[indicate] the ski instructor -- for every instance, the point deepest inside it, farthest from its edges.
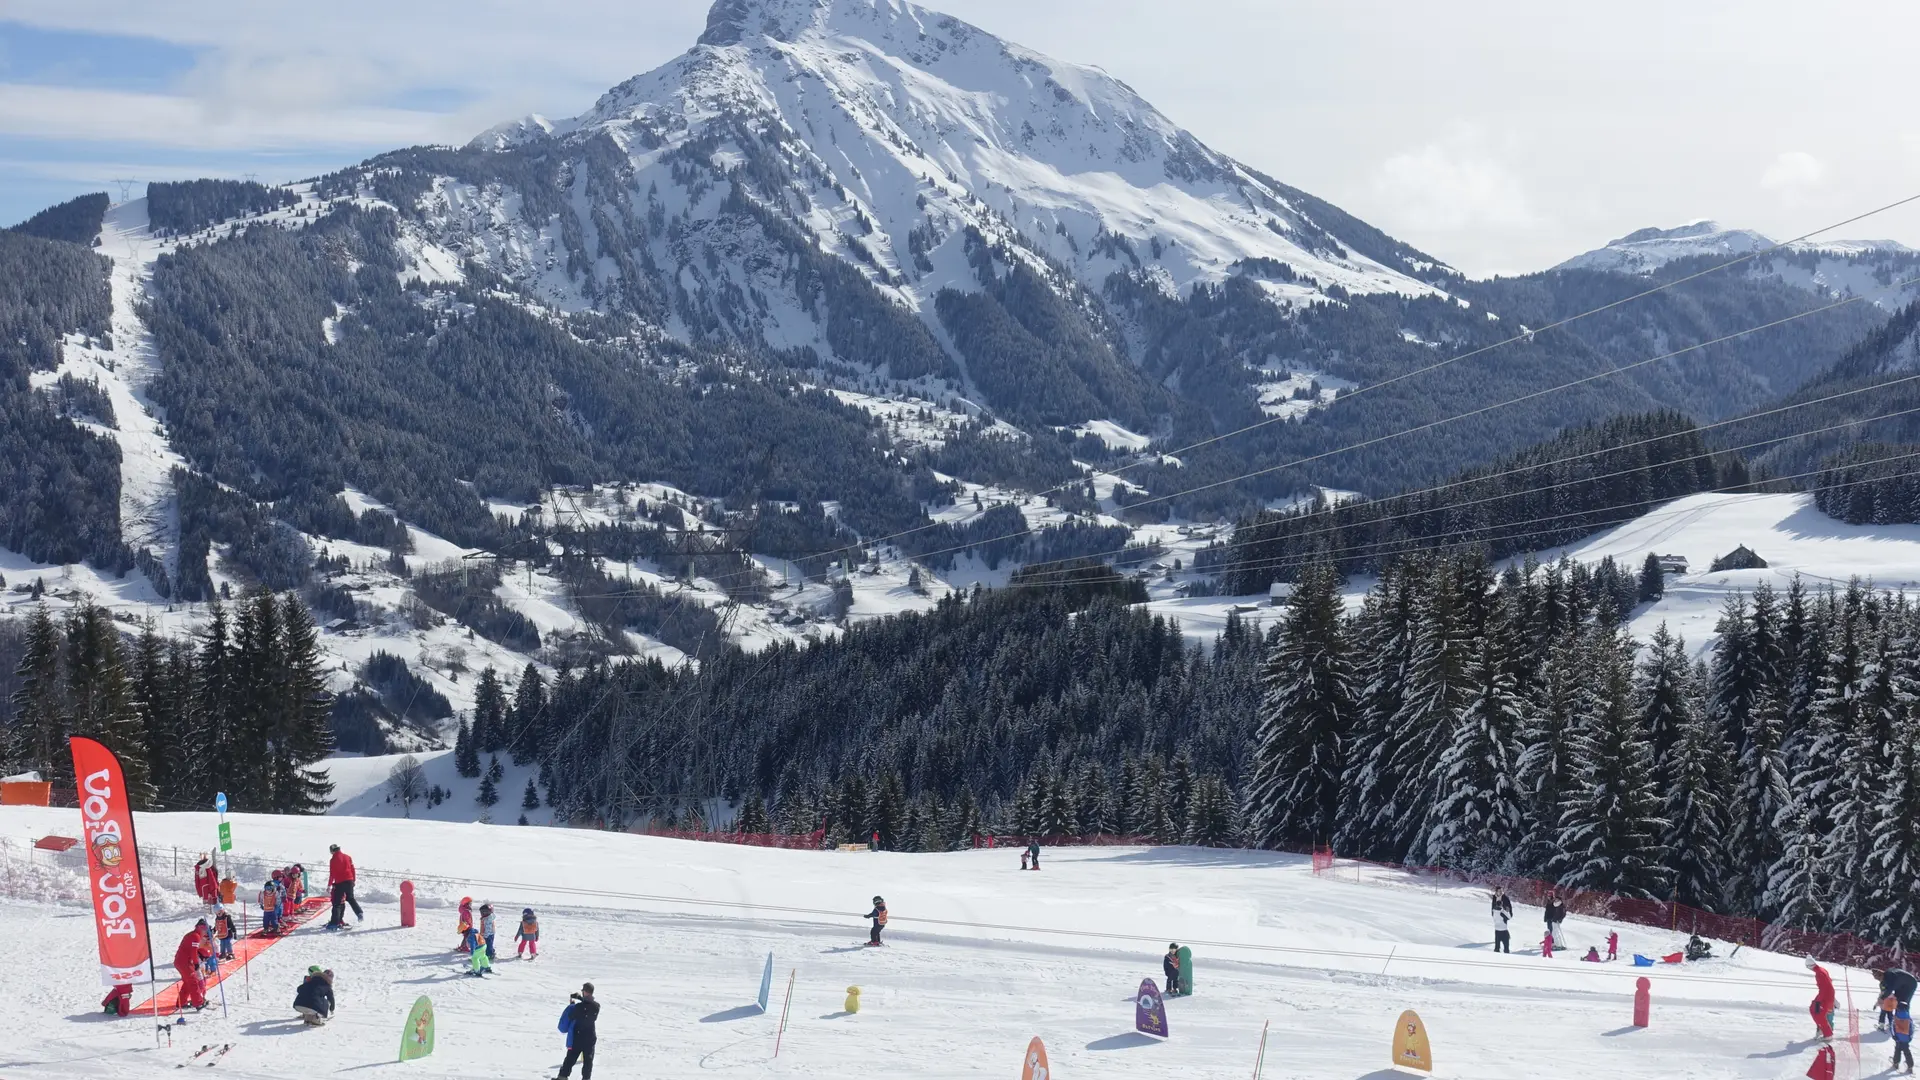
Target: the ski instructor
(340, 884)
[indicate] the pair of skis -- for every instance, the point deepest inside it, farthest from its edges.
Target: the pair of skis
(215, 1060)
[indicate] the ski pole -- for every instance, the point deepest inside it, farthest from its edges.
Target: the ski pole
(1261, 1058)
(782, 1034)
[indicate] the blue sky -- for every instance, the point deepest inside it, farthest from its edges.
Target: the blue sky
(1500, 135)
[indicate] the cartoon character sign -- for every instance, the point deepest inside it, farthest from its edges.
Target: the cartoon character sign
(1149, 1012)
(113, 864)
(1410, 1049)
(416, 1040)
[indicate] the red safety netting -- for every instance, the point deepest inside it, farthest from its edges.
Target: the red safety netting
(796, 841)
(1846, 949)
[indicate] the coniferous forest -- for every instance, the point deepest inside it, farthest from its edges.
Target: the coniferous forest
(1497, 722)
(240, 708)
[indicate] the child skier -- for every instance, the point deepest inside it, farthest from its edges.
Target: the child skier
(1613, 945)
(465, 926)
(879, 917)
(269, 909)
(206, 881)
(486, 930)
(1546, 945)
(1902, 1038)
(528, 935)
(314, 1000)
(1170, 964)
(223, 932)
(478, 961)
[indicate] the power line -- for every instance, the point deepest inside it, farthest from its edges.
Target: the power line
(1481, 411)
(1415, 544)
(1525, 335)
(1451, 508)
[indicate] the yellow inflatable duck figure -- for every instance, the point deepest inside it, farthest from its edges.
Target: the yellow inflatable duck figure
(853, 999)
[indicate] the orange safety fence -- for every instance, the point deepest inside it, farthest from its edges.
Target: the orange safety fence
(167, 1001)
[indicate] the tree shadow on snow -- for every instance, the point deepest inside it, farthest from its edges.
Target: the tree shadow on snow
(1123, 1042)
(739, 1012)
(1197, 856)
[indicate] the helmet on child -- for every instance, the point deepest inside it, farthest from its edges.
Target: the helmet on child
(1809, 963)
(526, 912)
(877, 900)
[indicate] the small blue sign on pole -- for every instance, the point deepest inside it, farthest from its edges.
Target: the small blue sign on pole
(220, 802)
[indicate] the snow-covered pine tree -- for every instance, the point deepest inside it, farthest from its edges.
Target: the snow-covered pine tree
(1829, 781)
(304, 736)
(1544, 766)
(530, 734)
(530, 799)
(100, 697)
(1210, 814)
(1436, 691)
(1663, 699)
(1694, 800)
(1370, 787)
(1761, 801)
(490, 734)
(36, 737)
(1611, 827)
(466, 756)
(1307, 717)
(1796, 895)
(1476, 820)
(1095, 810)
(1894, 847)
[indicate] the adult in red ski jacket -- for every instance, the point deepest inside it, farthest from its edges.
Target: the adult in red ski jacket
(340, 884)
(188, 959)
(1824, 999)
(206, 881)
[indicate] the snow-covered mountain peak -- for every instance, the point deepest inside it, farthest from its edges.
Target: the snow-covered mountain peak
(888, 133)
(1646, 250)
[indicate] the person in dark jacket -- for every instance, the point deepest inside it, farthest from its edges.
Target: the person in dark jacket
(314, 1001)
(1033, 853)
(1170, 964)
(1503, 904)
(1897, 983)
(1556, 913)
(879, 917)
(578, 1021)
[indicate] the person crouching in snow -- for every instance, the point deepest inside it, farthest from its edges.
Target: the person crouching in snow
(119, 1000)
(1593, 954)
(528, 935)
(314, 1000)
(1824, 999)
(193, 951)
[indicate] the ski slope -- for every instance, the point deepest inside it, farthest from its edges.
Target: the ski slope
(981, 957)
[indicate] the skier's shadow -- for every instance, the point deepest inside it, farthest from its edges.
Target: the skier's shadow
(846, 948)
(1791, 1049)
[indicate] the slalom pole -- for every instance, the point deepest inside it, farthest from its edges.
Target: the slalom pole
(246, 966)
(1261, 1059)
(782, 1034)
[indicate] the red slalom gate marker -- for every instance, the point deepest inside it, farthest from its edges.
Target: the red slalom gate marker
(1642, 1001)
(406, 903)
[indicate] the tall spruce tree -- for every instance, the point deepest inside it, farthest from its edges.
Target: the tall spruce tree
(36, 739)
(490, 734)
(1611, 827)
(1436, 692)
(100, 697)
(1477, 818)
(1306, 721)
(1545, 765)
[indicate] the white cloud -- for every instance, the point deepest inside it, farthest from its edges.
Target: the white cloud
(1793, 172)
(193, 123)
(1453, 185)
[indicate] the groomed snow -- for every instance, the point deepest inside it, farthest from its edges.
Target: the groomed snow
(981, 957)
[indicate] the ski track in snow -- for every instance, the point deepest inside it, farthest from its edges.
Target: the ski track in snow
(677, 959)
